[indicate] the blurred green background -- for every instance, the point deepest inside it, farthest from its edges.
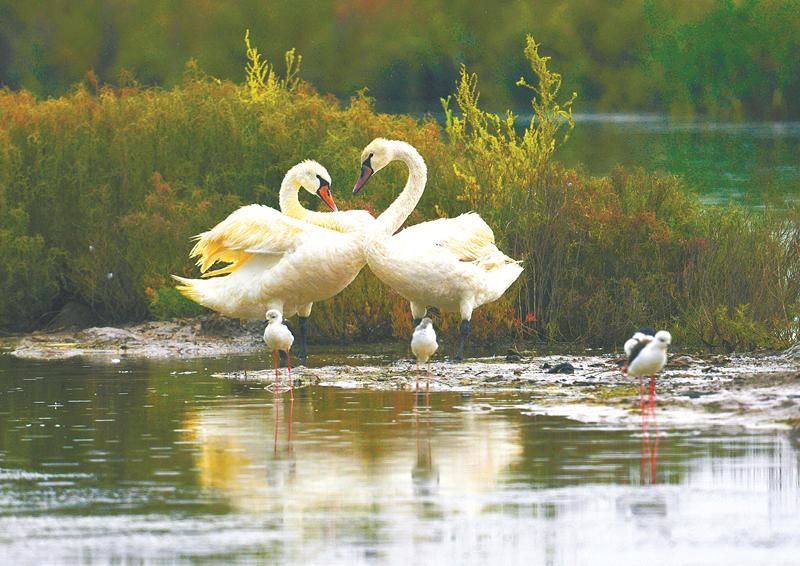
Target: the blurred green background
(724, 58)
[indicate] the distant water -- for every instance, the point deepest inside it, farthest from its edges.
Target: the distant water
(751, 163)
(755, 164)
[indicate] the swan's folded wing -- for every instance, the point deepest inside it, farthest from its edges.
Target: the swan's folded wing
(467, 236)
(252, 229)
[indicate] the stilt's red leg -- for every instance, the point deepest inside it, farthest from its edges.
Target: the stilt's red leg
(428, 382)
(654, 446)
(291, 383)
(652, 400)
(642, 404)
(641, 394)
(291, 412)
(275, 361)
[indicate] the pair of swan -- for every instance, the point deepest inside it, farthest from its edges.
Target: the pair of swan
(286, 261)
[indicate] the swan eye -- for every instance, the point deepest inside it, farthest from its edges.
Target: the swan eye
(322, 182)
(368, 161)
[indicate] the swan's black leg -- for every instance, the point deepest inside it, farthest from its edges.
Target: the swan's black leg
(463, 331)
(302, 353)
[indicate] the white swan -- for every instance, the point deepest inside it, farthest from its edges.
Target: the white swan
(279, 338)
(450, 263)
(275, 262)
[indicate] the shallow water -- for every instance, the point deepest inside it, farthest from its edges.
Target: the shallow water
(160, 461)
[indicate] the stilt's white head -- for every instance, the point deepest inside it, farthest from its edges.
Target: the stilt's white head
(314, 178)
(663, 339)
(377, 155)
(274, 315)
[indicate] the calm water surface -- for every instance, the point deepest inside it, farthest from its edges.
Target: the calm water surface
(162, 462)
(754, 164)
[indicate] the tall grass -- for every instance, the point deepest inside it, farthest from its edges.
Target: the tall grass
(101, 189)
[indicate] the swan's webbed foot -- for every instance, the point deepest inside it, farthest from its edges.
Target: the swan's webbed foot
(463, 331)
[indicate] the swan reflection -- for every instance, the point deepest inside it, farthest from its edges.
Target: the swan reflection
(289, 456)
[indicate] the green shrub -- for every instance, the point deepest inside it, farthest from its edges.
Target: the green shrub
(29, 275)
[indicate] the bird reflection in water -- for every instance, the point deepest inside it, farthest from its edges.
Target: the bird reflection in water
(424, 474)
(650, 434)
(289, 425)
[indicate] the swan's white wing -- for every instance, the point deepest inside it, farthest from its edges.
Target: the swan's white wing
(467, 237)
(252, 229)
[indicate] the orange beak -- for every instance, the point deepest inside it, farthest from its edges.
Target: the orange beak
(325, 194)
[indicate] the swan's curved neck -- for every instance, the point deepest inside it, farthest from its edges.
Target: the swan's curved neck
(290, 204)
(393, 217)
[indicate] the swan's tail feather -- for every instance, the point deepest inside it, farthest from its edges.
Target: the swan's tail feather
(501, 279)
(191, 289)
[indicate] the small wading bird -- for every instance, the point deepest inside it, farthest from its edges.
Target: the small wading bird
(274, 261)
(645, 334)
(647, 355)
(449, 263)
(423, 345)
(278, 337)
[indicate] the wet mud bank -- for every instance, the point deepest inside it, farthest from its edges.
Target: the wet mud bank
(752, 391)
(189, 338)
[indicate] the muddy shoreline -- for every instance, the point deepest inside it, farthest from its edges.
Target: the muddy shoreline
(741, 390)
(180, 338)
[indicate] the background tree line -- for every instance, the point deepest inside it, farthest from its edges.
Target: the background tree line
(726, 58)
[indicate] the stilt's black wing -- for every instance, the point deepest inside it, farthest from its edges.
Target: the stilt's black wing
(639, 347)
